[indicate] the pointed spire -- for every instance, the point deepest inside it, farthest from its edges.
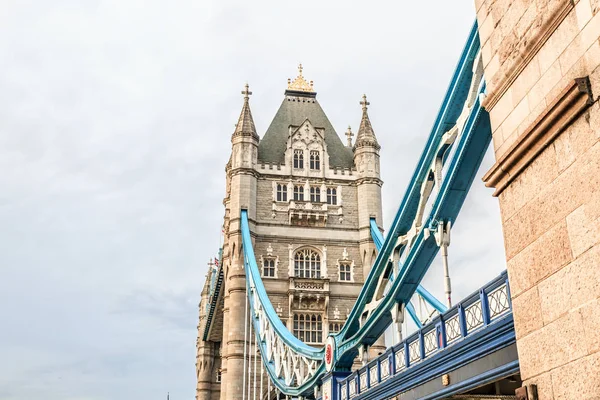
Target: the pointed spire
(365, 135)
(349, 135)
(245, 125)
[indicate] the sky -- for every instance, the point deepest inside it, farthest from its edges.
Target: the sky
(115, 124)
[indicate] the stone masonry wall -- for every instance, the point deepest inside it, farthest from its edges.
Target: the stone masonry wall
(532, 50)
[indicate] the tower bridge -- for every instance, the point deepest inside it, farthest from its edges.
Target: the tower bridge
(307, 285)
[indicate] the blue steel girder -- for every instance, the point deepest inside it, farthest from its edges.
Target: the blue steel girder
(458, 140)
(467, 153)
(430, 299)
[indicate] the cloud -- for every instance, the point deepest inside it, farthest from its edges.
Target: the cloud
(115, 123)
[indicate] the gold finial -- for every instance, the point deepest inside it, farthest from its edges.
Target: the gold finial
(364, 103)
(300, 84)
(246, 92)
(349, 135)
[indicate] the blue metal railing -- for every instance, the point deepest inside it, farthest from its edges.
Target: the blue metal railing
(478, 311)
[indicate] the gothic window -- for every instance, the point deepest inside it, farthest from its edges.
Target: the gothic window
(308, 327)
(331, 196)
(307, 264)
(299, 159)
(219, 375)
(335, 327)
(315, 160)
(299, 193)
(268, 268)
(281, 192)
(315, 194)
(345, 272)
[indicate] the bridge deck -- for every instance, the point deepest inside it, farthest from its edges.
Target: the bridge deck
(470, 345)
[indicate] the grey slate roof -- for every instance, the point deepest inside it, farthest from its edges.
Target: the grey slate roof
(294, 110)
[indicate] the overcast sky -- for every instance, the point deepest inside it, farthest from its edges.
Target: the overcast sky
(115, 124)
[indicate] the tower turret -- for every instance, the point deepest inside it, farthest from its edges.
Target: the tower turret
(366, 159)
(241, 194)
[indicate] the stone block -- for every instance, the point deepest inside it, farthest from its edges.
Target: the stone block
(550, 78)
(578, 379)
(540, 173)
(591, 324)
(558, 42)
(486, 28)
(552, 346)
(503, 148)
(583, 12)
(503, 108)
(518, 115)
(542, 258)
(574, 142)
(526, 80)
(571, 287)
(527, 312)
(568, 191)
(498, 140)
(594, 114)
(580, 45)
(544, 386)
(583, 226)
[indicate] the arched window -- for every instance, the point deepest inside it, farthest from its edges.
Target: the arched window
(268, 268)
(315, 160)
(335, 327)
(308, 327)
(298, 193)
(307, 264)
(331, 196)
(315, 194)
(281, 192)
(299, 159)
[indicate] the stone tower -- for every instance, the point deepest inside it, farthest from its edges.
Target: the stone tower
(309, 199)
(542, 67)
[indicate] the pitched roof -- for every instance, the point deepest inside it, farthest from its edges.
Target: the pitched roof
(295, 108)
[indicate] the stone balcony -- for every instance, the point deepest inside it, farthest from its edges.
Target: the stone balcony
(307, 213)
(308, 293)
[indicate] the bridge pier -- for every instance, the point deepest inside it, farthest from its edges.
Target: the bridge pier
(542, 70)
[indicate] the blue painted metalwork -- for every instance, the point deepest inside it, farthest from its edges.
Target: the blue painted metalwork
(260, 305)
(460, 158)
(477, 343)
(466, 158)
(428, 297)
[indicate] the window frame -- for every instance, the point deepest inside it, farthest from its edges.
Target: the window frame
(315, 160)
(298, 157)
(298, 193)
(281, 192)
(331, 196)
(345, 270)
(308, 326)
(307, 263)
(272, 267)
(315, 194)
